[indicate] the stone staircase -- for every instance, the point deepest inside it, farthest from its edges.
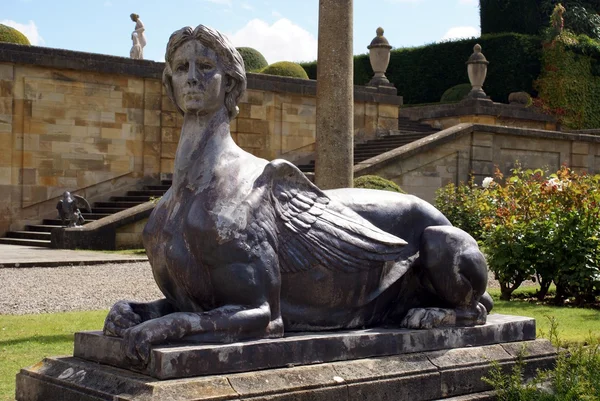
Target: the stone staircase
(407, 132)
(39, 234)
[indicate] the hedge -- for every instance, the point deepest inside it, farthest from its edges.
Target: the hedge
(423, 74)
(527, 16)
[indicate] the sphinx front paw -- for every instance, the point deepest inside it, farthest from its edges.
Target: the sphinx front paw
(429, 318)
(120, 318)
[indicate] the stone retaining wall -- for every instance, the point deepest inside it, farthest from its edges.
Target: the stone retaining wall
(97, 125)
(449, 156)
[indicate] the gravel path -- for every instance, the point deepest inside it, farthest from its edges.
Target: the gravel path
(61, 289)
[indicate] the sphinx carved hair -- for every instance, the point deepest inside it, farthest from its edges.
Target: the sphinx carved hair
(228, 55)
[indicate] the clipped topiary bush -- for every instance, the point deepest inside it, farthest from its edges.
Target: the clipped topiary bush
(11, 35)
(376, 182)
(254, 61)
(456, 93)
(285, 69)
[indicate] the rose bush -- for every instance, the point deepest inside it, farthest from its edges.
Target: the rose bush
(534, 225)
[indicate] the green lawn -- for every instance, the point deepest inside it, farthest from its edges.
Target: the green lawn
(26, 340)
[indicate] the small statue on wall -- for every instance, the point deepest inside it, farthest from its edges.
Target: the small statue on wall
(136, 51)
(138, 37)
(68, 209)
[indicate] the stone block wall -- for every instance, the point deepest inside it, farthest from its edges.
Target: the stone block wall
(99, 125)
(453, 154)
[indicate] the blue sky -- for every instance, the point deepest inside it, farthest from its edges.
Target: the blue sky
(280, 29)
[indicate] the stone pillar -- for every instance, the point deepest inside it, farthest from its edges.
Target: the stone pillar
(335, 96)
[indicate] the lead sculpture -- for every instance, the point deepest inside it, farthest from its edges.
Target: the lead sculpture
(69, 209)
(243, 248)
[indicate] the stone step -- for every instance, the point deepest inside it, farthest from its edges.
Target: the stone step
(130, 198)
(116, 204)
(109, 210)
(166, 182)
(26, 242)
(94, 216)
(45, 228)
(29, 235)
(155, 193)
(57, 222)
(158, 187)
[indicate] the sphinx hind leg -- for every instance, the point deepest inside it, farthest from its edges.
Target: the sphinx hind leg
(456, 272)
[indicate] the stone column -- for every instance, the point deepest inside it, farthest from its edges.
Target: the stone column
(335, 96)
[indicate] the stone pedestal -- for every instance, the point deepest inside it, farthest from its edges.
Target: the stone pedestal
(335, 96)
(377, 364)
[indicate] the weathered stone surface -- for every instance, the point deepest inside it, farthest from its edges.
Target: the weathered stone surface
(178, 361)
(411, 377)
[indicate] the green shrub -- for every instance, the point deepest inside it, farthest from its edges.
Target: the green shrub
(456, 93)
(285, 69)
(376, 182)
(253, 60)
(422, 74)
(11, 35)
(533, 225)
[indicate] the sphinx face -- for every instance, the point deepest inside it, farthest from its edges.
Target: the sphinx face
(199, 82)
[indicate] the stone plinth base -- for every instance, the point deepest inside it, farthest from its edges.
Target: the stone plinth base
(415, 373)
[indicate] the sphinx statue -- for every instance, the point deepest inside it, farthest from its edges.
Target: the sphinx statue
(243, 248)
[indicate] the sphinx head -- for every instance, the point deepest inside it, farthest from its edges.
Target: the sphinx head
(203, 71)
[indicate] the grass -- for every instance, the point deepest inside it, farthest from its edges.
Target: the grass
(575, 325)
(26, 340)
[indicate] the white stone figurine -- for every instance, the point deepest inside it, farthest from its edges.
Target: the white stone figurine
(136, 51)
(138, 37)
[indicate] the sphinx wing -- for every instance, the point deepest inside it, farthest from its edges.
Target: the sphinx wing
(82, 203)
(316, 230)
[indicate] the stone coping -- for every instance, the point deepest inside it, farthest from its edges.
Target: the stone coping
(474, 107)
(76, 60)
(450, 134)
(99, 234)
(297, 349)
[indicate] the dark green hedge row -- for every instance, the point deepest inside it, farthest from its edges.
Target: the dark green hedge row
(526, 16)
(423, 74)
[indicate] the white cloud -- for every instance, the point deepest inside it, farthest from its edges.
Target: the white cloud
(30, 30)
(276, 14)
(282, 41)
(461, 32)
(247, 6)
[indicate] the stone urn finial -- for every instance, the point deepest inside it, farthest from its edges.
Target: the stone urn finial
(379, 56)
(477, 70)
